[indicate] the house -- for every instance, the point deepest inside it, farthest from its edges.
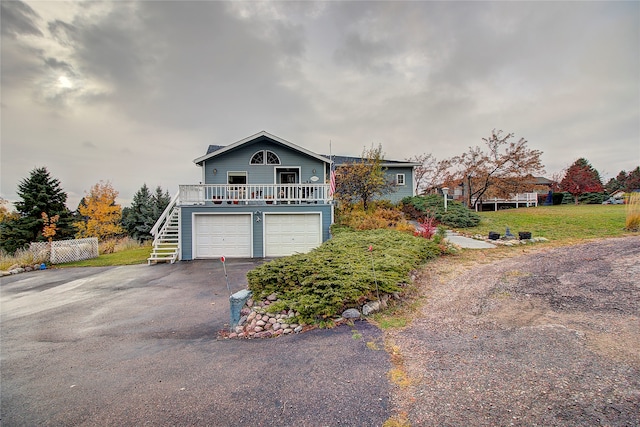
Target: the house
(259, 197)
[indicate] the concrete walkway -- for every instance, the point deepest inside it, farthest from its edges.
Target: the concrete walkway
(466, 242)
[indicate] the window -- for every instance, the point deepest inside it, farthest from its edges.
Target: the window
(272, 158)
(260, 157)
(237, 178)
(400, 179)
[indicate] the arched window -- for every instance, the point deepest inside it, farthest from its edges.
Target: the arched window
(258, 158)
(265, 157)
(272, 158)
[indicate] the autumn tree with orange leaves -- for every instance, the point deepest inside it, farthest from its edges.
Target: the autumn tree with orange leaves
(100, 213)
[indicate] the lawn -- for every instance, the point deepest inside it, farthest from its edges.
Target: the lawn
(565, 223)
(132, 256)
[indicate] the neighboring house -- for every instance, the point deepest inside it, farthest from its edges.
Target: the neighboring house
(259, 197)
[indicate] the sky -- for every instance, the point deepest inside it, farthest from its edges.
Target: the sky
(132, 92)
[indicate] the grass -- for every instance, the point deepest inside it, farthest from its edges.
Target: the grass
(563, 223)
(129, 256)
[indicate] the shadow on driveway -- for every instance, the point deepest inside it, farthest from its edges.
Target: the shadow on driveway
(139, 344)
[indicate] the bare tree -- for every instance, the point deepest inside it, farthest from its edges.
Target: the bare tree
(502, 168)
(431, 172)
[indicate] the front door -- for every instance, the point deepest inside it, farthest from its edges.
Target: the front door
(287, 177)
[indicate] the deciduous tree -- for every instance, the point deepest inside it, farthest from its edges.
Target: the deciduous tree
(363, 180)
(429, 175)
(625, 182)
(100, 212)
(503, 167)
(581, 178)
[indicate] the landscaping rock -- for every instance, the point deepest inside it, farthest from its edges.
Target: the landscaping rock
(272, 297)
(370, 307)
(351, 313)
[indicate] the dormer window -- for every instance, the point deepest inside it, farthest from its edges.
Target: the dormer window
(260, 157)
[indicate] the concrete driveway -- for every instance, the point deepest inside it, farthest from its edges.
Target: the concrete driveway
(139, 345)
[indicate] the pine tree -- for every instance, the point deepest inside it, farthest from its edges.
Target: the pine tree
(39, 193)
(140, 217)
(161, 201)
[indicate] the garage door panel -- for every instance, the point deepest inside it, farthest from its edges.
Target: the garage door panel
(223, 235)
(286, 234)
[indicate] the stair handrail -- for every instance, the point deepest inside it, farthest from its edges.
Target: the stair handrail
(164, 216)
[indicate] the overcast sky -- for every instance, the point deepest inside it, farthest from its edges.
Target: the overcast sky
(132, 92)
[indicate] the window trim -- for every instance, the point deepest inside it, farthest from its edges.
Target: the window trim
(254, 154)
(404, 181)
(265, 157)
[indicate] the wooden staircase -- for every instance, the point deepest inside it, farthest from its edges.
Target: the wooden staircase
(167, 238)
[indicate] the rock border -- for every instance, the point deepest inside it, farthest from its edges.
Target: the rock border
(16, 269)
(257, 322)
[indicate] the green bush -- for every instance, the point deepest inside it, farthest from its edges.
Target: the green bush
(338, 275)
(558, 198)
(592, 198)
(567, 199)
(457, 215)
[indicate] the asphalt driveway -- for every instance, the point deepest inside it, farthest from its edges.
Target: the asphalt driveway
(139, 345)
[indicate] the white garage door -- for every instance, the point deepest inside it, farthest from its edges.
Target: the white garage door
(286, 234)
(218, 235)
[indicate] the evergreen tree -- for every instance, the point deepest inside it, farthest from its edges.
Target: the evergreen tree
(140, 217)
(581, 178)
(161, 200)
(39, 193)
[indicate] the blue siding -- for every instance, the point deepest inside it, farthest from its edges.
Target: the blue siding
(238, 161)
(186, 224)
(401, 191)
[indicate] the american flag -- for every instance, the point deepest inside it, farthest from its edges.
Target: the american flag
(332, 179)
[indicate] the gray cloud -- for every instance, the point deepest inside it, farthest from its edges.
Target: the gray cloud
(18, 18)
(165, 79)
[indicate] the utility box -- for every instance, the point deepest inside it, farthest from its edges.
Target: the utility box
(237, 301)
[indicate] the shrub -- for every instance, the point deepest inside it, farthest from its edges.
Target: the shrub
(338, 275)
(632, 222)
(457, 215)
(592, 198)
(558, 198)
(110, 246)
(22, 258)
(380, 216)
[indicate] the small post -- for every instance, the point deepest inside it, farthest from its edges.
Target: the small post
(445, 191)
(373, 267)
(222, 259)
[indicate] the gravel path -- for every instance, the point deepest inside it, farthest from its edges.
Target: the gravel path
(551, 337)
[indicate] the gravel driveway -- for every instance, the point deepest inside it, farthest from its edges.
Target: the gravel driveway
(549, 338)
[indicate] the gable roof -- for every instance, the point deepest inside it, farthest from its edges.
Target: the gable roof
(216, 150)
(344, 160)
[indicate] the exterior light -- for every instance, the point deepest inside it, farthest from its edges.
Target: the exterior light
(445, 191)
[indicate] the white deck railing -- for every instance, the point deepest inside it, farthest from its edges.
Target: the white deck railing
(526, 199)
(263, 193)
